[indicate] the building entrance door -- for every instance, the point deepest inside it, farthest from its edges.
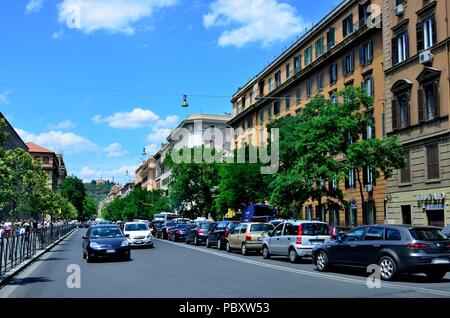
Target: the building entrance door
(436, 218)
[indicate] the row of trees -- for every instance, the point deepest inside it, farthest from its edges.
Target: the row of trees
(23, 186)
(317, 150)
(138, 204)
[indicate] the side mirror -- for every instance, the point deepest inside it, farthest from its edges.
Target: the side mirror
(127, 235)
(84, 237)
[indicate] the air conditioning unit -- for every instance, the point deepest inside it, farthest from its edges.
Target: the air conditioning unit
(400, 9)
(369, 188)
(426, 57)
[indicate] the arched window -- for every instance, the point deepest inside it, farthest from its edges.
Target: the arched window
(46, 160)
(400, 104)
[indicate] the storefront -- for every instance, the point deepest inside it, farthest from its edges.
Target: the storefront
(433, 206)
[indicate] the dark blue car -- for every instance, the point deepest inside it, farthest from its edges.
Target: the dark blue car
(103, 241)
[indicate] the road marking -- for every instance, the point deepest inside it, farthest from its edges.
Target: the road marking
(312, 274)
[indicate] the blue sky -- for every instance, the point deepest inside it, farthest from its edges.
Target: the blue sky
(99, 80)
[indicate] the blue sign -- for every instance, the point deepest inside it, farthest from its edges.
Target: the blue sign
(353, 203)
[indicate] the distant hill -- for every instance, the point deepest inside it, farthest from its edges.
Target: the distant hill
(98, 189)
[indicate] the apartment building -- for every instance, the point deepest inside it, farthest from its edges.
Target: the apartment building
(13, 139)
(417, 62)
(145, 175)
(344, 49)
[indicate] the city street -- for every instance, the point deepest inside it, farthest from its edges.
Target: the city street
(179, 270)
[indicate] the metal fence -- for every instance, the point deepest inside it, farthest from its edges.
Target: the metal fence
(18, 248)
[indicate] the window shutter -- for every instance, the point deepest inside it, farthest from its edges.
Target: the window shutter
(370, 57)
(352, 62)
(394, 114)
(347, 183)
(433, 162)
(436, 98)
(419, 32)
(372, 87)
(365, 181)
(434, 35)
(394, 51)
(407, 44)
(361, 55)
(421, 105)
(344, 67)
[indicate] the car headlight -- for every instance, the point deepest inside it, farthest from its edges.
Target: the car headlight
(94, 245)
(149, 236)
(124, 243)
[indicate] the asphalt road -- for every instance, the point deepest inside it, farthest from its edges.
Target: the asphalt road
(178, 270)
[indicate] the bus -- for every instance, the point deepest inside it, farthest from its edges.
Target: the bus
(165, 216)
(258, 213)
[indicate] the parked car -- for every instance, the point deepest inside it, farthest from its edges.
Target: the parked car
(138, 234)
(248, 236)
(182, 220)
(198, 232)
(395, 248)
(295, 239)
(339, 230)
(105, 240)
(164, 230)
(179, 232)
(154, 225)
(446, 231)
(218, 235)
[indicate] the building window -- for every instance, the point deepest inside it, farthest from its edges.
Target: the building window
(347, 25)
(277, 79)
(46, 160)
(261, 116)
(350, 179)
(269, 112)
(428, 102)
(350, 216)
(297, 64)
(320, 81)
(400, 104)
(298, 95)
(333, 73)
(250, 97)
(426, 34)
(308, 88)
(334, 216)
(319, 47)
(287, 101)
(276, 107)
(309, 212)
(331, 38)
(333, 97)
(269, 83)
(433, 162)
(348, 64)
(249, 122)
(366, 53)
(369, 216)
(288, 70)
(368, 86)
(368, 176)
(363, 13)
(405, 172)
(308, 56)
(400, 48)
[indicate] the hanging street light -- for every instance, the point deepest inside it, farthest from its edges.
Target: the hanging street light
(184, 103)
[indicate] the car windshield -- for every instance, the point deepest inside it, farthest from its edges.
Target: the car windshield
(106, 232)
(170, 224)
(182, 226)
(261, 227)
(424, 234)
(206, 225)
(136, 227)
(314, 229)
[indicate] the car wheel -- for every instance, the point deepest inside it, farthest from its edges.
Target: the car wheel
(228, 247)
(265, 252)
(127, 257)
(436, 275)
(219, 245)
(84, 255)
(195, 241)
(187, 241)
(322, 261)
(293, 256)
(207, 243)
(89, 259)
(244, 250)
(388, 268)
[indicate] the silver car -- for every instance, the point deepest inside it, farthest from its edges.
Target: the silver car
(295, 239)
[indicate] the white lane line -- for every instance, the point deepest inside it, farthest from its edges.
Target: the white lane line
(7, 290)
(312, 274)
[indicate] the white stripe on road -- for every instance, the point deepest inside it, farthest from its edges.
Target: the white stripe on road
(308, 273)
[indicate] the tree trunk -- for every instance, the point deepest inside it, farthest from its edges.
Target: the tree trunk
(361, 192)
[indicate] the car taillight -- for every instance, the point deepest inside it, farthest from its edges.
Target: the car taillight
(417, 245)
(299, 240)
(334, 232)
(167, 230)
(177, 232)
(300, 230)
(225, 234)
(200, 232)
(328, 229)
(448, 245)
(248, 237)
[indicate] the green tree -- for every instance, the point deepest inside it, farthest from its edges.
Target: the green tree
(73, 190)
(89, 208)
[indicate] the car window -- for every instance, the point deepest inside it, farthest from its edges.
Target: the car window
(290, 229)
(314, 229)
(278, 230)
(261, 227)
(427, 234)
(236, 230)
(136, 227)
(393, 235)
(243, 228)
(231, 226)
(354, 235)
(374, 234)
(106, 232)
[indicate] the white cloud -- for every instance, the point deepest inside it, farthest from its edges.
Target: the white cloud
(34, 6)
(111, 15)
(65, 124)
(4, 98)
(152, 149)
(115, 150)
(58, 141)
(159, 134)
(119, 173)
(169, 121)
(253, 21)
(58, 34)
(137, 118)
(87, 172)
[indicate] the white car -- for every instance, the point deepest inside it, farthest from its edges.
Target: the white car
(138, 234)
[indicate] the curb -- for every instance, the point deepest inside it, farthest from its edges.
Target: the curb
(5, 279)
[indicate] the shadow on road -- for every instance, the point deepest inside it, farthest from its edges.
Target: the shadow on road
(30, 280)
(53, 259)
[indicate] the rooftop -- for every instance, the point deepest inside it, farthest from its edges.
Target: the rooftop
(32, 147)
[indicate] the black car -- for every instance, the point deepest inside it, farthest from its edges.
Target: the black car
(179, 232)
(105, 240)
(219, 234)
(338, 230)
(446, 231)
(395, 248)
(198, 232)
(164, 230)
(154, 225)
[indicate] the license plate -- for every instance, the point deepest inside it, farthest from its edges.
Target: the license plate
(110, 251)
(315, 242)
(138, 242)
(440, 261)
(260, 238)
